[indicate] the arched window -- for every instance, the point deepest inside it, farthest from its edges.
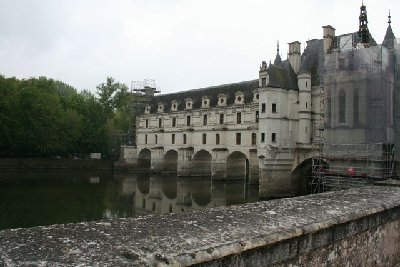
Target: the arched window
(356, 104)
(342, 106)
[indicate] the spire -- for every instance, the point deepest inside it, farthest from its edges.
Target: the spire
(388, 41)
(363, 32)
(278, 59)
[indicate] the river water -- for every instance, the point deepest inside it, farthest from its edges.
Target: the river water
(44, 197)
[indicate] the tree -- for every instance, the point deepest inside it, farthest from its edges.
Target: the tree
(44, 117)
(116, 101)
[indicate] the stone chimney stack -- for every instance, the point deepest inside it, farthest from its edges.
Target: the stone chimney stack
(294, 55)
(329, 34)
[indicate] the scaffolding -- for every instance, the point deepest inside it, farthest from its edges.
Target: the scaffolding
(355, 145)
(142, 92)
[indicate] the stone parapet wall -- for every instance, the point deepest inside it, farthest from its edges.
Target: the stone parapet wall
(357, 227)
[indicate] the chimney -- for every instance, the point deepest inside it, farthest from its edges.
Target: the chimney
(294, 55)
(329, 33)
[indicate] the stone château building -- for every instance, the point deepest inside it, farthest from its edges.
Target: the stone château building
(265, 130)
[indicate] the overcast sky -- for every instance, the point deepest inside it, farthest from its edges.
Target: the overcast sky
(182, 44)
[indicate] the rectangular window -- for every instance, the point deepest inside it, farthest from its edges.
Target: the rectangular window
(342, 63)
(184, 139)
(342, 107)
(355, 106)
(239, 118)
(273, 108)
(263, 107)
(145, 139)
(204, 139)
(253, 139)
(273, 137)
(262, 137)
(238, 138)
(204, 119)
(188, 122)
(173, 122)
(217, 141)
(263, 82)
(257, 116)
(221, 118)
(159, 123)
(155, 139)
(147, 123)
(173, 139)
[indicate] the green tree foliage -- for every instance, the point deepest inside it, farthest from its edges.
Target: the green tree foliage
(41, 117)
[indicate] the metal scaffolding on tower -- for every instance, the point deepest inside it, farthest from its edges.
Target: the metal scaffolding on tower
(355, 144)
(143, 91)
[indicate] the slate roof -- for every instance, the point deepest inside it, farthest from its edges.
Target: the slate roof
(246, 87)
(312, 60)
(282, 75)
(388, 41)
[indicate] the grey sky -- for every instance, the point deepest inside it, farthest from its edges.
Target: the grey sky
(182, 44)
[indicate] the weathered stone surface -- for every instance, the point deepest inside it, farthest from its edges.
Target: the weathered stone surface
(269, 233)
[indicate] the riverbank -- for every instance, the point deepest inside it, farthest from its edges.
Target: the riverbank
(55, 163)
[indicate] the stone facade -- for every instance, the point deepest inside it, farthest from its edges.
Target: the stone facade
(213, 134)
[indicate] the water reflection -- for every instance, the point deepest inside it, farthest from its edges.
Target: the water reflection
(164, 194)
(48, 197)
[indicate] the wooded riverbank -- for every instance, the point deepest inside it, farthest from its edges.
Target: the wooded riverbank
(54, 163)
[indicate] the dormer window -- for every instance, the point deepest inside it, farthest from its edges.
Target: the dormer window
(147, 109)
(160, 108)
(239, 98)
(205, 102)
(189, 103)
(174, 105)
(256, 95)
(222, 100)
(264, 79)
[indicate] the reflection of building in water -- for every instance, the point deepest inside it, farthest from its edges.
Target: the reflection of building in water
(163, 194)
(128, 186)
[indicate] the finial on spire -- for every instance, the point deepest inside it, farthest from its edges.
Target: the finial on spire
(390, 18)
(277, 47)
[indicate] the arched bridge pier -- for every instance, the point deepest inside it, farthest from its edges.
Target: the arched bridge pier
(219, 163)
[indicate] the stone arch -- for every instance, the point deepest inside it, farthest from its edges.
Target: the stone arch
(144, 159)
(237, 165)
(201, 163)
(170, 162)
(302, 177)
